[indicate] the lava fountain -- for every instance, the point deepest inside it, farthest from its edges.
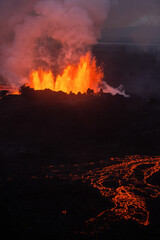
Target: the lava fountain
(75, 78)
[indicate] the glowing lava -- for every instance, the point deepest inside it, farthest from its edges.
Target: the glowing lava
(125, 182)
(75, 78)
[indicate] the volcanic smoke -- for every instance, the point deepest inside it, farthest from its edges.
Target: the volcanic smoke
(51, 47)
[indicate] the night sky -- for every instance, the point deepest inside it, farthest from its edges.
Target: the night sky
(135, 21)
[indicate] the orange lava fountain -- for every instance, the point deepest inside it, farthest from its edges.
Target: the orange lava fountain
(75, 78)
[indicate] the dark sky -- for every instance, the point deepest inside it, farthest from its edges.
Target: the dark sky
(133, 20)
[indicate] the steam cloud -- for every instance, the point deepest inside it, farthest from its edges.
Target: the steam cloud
(50, 34)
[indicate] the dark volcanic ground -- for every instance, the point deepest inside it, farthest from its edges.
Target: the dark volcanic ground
(43, 130)
(56, 150)
(77, 128)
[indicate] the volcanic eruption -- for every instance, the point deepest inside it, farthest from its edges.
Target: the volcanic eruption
(73, 79)
(51, 47)
(73, 166)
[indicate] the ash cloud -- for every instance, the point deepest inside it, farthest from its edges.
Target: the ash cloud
(47, 33)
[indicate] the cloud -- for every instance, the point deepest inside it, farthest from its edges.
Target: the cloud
(36, 29)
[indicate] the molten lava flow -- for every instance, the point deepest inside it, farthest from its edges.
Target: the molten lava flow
(125, 184)
(124, 181)
(75, 78)
(10, 90)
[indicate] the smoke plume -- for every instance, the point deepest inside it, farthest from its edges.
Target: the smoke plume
(47, 33)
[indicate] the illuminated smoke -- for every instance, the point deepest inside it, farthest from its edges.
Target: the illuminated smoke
(52, 34)
(109, 89)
